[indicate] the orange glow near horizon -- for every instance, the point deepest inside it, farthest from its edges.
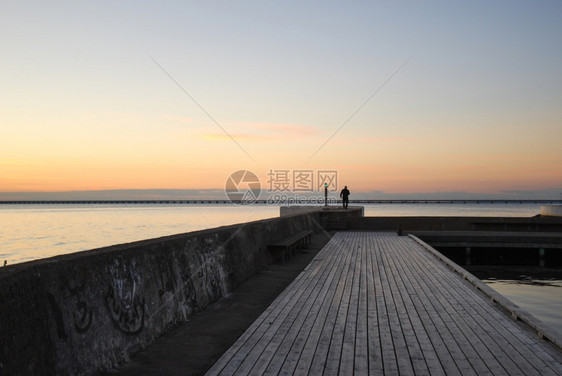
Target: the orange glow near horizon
(391, 177)
(473, 108)
(195, 161)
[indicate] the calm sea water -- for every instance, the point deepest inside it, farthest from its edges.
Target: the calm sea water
(29, 232)
(536, 290)
(542, 298)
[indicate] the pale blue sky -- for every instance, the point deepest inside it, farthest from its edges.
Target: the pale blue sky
(481, 94)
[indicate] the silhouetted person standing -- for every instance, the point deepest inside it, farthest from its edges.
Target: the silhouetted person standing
(344, 194)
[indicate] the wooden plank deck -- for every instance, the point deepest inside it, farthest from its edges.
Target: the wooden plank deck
(380, 304)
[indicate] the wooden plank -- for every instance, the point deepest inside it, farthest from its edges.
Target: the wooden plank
(303, 350)
(230, 361)
(282, 329)
(487, 339)
(434, 308)
(465, 348)
(400, 348)
(515, 338)
(314, 356)
(341, 358)
(285, 358)
(376, 303)
(361, 361)
(389, 356)
(419, 342)
(480, 347)
(260, 356)
(373, 326)
(417, 359)
(502, 336)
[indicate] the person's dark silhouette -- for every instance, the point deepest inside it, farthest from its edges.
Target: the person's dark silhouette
(344, 194)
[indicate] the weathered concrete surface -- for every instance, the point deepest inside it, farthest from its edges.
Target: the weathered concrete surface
(80, 313)
(491, 239)
(332, 218)
(292, 210)
(193, 347)
(551, 210)
(497, 247)
(530, 224)
(358, 211)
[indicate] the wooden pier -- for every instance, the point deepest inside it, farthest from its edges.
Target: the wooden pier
(379, 304)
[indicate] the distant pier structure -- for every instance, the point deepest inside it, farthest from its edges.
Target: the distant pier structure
(310, 203)
(551, 210)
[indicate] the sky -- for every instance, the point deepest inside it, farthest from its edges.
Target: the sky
(437, 97)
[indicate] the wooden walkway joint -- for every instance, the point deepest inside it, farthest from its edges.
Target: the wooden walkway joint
(379, 304)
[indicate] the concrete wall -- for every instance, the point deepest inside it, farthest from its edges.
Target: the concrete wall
(531, 224)
(411, 223)
(551, 210)
(292, 210)
(81, 313)
(352, 211)
(332, 218)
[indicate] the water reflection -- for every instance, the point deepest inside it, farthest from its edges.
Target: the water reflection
(536, 290)
(29, 232)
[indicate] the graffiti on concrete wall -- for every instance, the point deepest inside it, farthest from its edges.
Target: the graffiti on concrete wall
(201, 270)
(70, 301)
(82, 314)
(125, 304)
(57, 315)
(190, 296)
(167, 275)
(126, 311)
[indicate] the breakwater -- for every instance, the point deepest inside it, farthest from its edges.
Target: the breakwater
(448, 223)
(86, 312)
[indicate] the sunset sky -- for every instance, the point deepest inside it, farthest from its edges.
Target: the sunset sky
(465, 96)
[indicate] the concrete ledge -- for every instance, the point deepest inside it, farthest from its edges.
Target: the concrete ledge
(86, 312)
(357, 211)
(551, 210)
(292, 210)
(529, 224)
(498, 239)
(332, 218)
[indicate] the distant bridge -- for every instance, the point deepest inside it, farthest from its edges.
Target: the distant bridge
(300, 201)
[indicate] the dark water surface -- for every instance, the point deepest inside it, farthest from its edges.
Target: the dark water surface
(536, 290)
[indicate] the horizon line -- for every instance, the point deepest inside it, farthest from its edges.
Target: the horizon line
(227, 201)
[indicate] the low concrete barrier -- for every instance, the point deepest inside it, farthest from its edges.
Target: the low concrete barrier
(530, 224)
(86, 312)
(551, 210)
(332, 218)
